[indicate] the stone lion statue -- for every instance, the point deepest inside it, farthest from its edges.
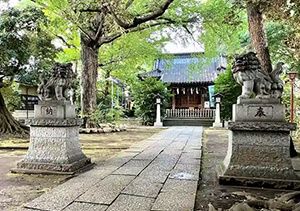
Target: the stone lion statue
(59, 83)
(255, 83)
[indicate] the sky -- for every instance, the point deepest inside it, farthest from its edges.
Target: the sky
(180, 40)
(183, 42)
(4, 5)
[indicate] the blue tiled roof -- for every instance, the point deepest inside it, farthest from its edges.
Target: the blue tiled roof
(187, 69)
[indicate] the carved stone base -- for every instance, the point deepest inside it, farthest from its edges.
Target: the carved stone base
(259, 155)
(217, 124)
(54, 110)
(260, 182)
(52, 168)
(158, 124)
(258, 101)
(258, 112)
(54, 149)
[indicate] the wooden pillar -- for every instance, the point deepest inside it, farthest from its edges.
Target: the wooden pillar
(173, 99)
(188, 94)
(202, 98)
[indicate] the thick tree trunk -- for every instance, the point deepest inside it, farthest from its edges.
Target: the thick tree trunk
(89, 58)
(258, 36)
(8, 125)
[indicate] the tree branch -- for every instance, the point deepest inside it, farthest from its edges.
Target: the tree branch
(161, 10)
(128, 4)
(100, 9)
(115, 36)
(112, 61)
(65, 42)
(99, 30)
(141, 19)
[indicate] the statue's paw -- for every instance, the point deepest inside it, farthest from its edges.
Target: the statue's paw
(263, 96)
(276, 95)
(244, 96)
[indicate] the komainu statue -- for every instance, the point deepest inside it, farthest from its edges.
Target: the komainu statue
(59, 83)
(247, 72)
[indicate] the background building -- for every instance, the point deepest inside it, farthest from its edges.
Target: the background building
(190, 78)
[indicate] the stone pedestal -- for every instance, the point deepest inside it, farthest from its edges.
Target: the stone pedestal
(258, 111)
(259, 148)
(54, 141)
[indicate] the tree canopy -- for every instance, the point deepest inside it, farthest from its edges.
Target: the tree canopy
(96, 24)
(25, 50)
(227, 32)
(24, 46)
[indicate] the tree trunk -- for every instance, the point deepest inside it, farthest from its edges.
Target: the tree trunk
(258, 36)
(89, 58)
(8, 125)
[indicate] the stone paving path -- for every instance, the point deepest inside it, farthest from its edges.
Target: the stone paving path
(159, 173)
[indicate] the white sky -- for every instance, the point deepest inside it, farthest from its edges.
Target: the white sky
(182, 42)
(4, 5)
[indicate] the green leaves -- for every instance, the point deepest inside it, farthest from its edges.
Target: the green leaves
(226, 85)
(24, 47)
(144, 98)
(223, 27)
(128, 55)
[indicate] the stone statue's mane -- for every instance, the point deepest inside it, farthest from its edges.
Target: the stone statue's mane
(59, 83)
(248, 73)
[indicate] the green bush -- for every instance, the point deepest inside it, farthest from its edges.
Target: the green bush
(106, 114)
(115, 114)
(144, 94)
(226, 85)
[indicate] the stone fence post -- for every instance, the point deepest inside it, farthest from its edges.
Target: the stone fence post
(218, 122)
(158, 122)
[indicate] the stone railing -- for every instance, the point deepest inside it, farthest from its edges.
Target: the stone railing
(190, 113)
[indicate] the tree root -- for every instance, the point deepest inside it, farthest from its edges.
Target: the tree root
(10, 126)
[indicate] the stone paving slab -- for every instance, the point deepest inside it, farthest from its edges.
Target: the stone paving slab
(159, 173)
(155, 175)
(174, 201)
(120, 159)
(186, 158)
(193, 153)
(106, 191)
(164, 165)
(62, 195)
(25, 209)
(142, 186)
(185, 171)
(186, 186)
(150, 153)
(82, 206)
(133, 167)
(131, 203)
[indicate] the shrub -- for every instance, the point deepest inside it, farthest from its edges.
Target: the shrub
(144, 94)
(226, 85)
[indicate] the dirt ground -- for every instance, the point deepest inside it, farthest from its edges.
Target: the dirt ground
(209, 191)
(16, 189)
